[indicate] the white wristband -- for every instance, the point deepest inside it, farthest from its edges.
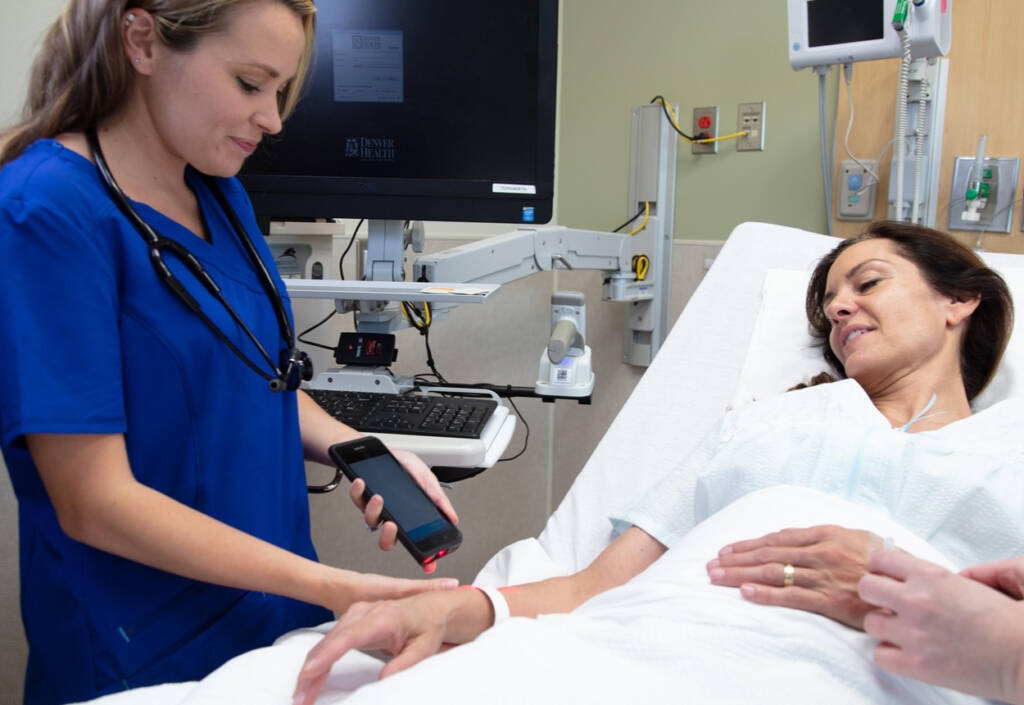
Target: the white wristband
(498, 602)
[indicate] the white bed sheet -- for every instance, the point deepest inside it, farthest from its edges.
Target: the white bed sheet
(701, 362)
(666, 633)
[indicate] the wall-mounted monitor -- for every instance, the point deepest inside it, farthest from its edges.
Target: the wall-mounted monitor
(826, 32)
(839, 31)
(441, 110)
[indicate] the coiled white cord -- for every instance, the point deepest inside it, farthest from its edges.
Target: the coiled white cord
(919, 138)
(901, 122)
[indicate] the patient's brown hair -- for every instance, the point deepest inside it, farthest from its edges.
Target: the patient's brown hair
(952, 270)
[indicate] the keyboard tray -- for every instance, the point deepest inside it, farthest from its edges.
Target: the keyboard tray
(408, 414)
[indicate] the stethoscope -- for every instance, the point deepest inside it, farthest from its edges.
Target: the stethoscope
(294, 365)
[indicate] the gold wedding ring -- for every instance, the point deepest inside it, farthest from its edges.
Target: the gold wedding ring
(788, 575)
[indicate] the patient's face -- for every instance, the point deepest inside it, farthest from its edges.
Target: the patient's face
(887, 321)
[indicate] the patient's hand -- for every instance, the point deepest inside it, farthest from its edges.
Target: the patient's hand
(410, 629)
(827, 563)
(948, 629)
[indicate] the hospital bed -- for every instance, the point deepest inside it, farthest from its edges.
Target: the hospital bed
(742, 336)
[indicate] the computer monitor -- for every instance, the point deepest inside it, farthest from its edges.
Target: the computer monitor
(440, 110)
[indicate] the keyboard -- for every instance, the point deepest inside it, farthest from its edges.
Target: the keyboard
(408, 414)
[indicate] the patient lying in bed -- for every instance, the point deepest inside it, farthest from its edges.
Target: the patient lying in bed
(954, 496)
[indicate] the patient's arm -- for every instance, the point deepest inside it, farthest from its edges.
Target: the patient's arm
(827, 563)
(413, 629)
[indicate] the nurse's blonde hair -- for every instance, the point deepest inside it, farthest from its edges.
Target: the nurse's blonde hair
(82, 73)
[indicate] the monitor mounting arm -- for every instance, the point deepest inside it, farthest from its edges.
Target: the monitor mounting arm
(642, 283)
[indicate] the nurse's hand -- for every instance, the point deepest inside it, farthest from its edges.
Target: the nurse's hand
(951, 630)
(827, 561)
(372, 509)
(347, 587)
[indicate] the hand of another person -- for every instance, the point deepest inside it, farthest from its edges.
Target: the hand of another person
(372, 509)
(410, 630)
(945, 628)
(827, 561)
(1007, 576)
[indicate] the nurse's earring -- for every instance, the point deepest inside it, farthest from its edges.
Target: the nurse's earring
(128, 23)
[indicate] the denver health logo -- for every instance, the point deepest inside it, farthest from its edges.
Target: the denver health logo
(370, 149)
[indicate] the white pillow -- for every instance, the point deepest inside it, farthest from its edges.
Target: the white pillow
(782, 352)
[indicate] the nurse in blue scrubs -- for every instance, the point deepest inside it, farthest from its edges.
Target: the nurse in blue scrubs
(164, 521)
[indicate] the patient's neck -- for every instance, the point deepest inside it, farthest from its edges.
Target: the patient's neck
(900, 401)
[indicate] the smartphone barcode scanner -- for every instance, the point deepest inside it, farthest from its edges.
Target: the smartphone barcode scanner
(422, 528)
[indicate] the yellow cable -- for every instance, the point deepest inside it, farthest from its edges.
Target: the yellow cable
(675, 120)
(414, 324)
(641, 263)
(725, 137)
(647, 214)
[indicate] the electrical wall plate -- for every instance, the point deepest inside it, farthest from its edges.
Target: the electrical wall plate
(1000, 178)
(705, 121)
(750, 119)
(856, 190)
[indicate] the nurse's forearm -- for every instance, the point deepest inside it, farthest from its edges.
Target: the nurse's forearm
(99, 503)
(141, 524)
(320, 430)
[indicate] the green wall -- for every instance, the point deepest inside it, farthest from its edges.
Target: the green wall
(616, 55)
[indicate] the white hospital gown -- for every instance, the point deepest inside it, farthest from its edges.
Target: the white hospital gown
(961, 488)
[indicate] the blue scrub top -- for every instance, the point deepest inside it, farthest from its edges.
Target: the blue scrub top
(92, 341)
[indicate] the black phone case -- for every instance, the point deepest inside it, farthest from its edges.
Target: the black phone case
(430, 548)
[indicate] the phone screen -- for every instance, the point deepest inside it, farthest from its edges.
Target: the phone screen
(405, 501)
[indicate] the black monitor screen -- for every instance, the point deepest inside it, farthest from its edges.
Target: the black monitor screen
(440, 110)
(844, 21)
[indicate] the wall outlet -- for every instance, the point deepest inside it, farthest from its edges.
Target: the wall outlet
(750, 119)
(857, 190)
(705, 122)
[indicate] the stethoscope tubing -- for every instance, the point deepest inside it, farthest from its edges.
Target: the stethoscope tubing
(158, 243)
